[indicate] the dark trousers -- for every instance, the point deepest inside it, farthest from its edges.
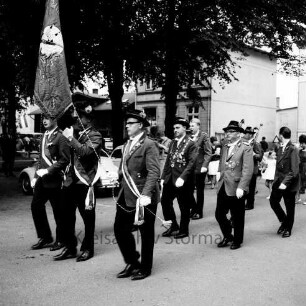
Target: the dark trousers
(225, 204)
(197, 205)
(184, 199)
(250, 197)
(74, 197)
(38, 207)
(287, 219)
(123, 232)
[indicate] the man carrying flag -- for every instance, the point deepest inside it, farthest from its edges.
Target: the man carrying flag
(78, 190)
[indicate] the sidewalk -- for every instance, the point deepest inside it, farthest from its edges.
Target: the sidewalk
(267, 270)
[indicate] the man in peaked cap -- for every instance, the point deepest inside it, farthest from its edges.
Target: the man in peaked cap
(249, 133)
(139, 172)
(78, 191)
(236, 170)
(177, 179)
(53, 159)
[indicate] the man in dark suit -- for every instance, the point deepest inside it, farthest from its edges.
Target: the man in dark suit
(286, 182)
(203, 145)
(139, 173)
(177, 179)
(78, 191)
(236, 170)
(53, 160)
(257, 157)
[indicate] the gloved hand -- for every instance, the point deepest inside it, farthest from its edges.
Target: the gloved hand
(179, 182)
(203, 169)
(144, 200)
(282, 186)
(68, 132)
(239, 193)
(33, 182)
(42, 172)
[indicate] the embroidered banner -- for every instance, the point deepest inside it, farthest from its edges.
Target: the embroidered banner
(51, 92)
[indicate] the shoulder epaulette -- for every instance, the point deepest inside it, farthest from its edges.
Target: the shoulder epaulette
(246, 143)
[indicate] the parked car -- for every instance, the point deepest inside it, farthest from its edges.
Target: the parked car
(109, 173)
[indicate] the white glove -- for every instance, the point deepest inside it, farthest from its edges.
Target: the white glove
(162, 183)
(33, 182)
(239, 193)
(203, 169)
(42, 172)
(144, 200)
(68, 132)
(179, 182)
(282, 186)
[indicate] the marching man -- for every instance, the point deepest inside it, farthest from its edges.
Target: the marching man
(139, 173)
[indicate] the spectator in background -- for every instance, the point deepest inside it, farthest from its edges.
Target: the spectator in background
(264, 144)
(268, 169)
(19, 143)
(213, 165)
(302, 154)
(8, 148)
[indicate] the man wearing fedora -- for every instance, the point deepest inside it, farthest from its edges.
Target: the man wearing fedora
(53, 160)
(139, 172)
(236, 170)
(177, 179)
(204, 149)
(249, 133)
(286, 182)
(78, 190)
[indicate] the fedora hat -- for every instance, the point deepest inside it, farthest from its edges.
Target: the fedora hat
(234, 125)
(85, 108)
(249, 130)
(182, 121)
(139, 115)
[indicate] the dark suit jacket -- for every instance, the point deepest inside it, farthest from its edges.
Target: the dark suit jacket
(203, 151)
(60, 154)
(236, 169)
(84, 157)
(257, 156)
(287, 168)
(183, 166)
(142, 163)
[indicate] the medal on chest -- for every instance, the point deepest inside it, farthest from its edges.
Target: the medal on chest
(177, 156)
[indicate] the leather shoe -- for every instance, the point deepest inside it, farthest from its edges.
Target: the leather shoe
(281, 230)
(56, 246)
(139, 274)
(235, 246)
(169, 232)
(249, 207)
(128, 270)
(85, 256)
(65, 254)
(286, 233)
(181, 235)
(225, 241)
(42, 243)
(196, 217)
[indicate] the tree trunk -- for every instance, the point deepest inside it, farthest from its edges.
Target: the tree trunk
(114, 77)
(12, 106)
(170, 89)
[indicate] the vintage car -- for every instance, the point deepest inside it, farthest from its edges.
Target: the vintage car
(108, 177)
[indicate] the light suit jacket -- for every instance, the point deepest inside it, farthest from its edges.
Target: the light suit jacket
(236, 170)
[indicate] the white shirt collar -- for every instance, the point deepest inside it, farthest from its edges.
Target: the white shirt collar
(135, 139)
(179, 140)
(232, 144)
(49, 133)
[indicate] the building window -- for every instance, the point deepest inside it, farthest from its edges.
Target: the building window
(151, 115)
(149, 85)
(193, 112)
(95, 91)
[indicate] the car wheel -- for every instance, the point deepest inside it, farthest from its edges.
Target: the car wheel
(26, 185)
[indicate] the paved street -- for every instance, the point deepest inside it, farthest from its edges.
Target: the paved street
(267, 270)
